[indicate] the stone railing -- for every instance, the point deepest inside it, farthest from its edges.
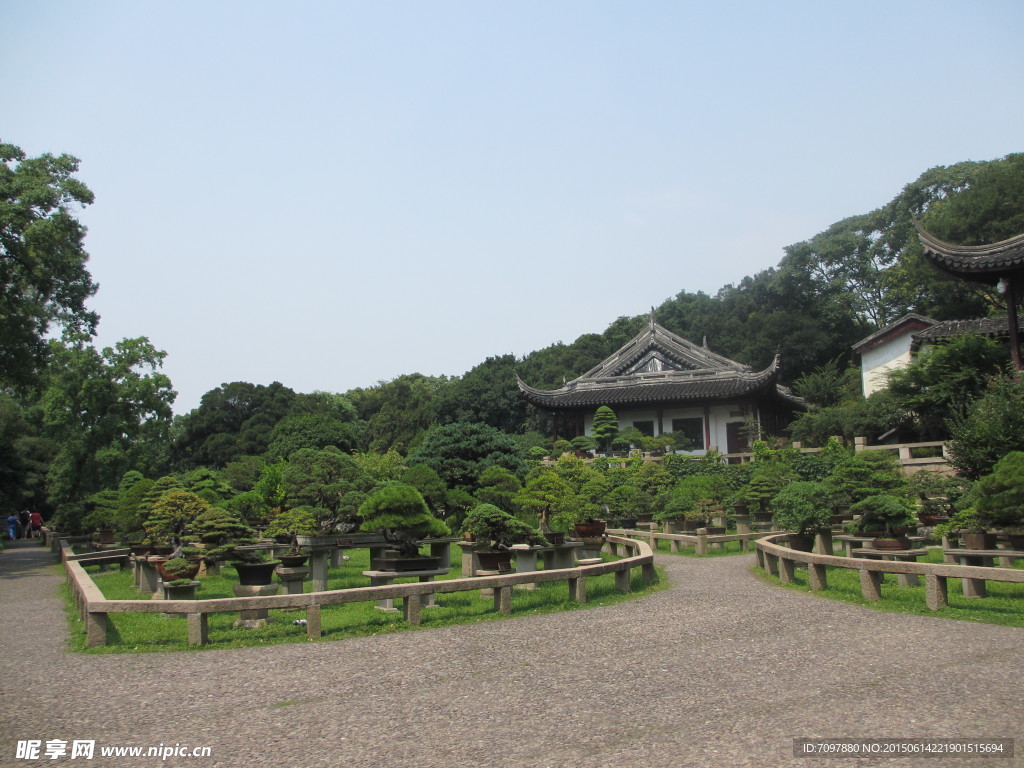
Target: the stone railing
(781, 561)
(702, 543)
(94, 608)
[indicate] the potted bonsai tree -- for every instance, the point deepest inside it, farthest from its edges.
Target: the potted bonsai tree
(488, 523)
(289, 525)
(398, 511)
(694, 500)
(802, 507)
(999, 498)
(887, 516)
(970, 527)
(177, 569)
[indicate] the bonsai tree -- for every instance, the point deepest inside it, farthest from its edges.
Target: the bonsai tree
(489, 523)
(605, 427)
(399, 512)
(938, 495)
(171, 516)
(583, 443)
(963, 521)
(695, 498)
(103, 513)
(300, 521)
(865, 474)
(883, 512)
(999, 497)
(220, 530)
(548, 495)
(627, 501)
(497, 485)
(178, 568)
(802, 506)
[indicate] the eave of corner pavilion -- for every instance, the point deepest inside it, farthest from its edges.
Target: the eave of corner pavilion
(1000, 264)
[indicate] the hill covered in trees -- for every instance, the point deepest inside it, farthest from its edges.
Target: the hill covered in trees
(74, 419)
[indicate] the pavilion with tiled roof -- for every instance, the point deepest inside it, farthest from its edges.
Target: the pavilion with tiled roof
(660, 382)
(1000, 264)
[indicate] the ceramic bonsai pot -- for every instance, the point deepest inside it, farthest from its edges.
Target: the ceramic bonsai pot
(804, 542)
(978, 540)
(495, 561)
(188, 574)
(256, 574)
(591, 529)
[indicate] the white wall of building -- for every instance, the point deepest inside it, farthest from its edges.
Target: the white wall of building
(720, 415)
(887, 356)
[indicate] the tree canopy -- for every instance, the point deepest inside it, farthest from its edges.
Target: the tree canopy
(42, 259)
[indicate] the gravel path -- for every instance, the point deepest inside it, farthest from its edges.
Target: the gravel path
(720, 670)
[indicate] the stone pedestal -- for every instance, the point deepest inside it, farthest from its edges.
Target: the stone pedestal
(293, 580)
(561, 556)
(592, 548)
(318, 567)
(148, 577)
(526, 561)
(179, 592)
(470, 562)
(255, 618)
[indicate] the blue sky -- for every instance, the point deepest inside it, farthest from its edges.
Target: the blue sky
(330, 194)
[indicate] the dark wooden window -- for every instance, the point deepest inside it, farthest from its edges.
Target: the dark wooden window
(646, 427)
(693, 429)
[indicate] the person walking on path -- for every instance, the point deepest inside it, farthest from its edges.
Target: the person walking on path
(12, 526)
(35, 525)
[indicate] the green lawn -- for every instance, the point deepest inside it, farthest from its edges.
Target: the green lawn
(148, 632)
(1004, 604)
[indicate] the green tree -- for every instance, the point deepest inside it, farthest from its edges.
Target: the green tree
(943, 379)
(102, 408)
(498, 486)
(459, 452)
(233, 420)
(400, 513)
(321, 478)
(549, 496)
(988, 428)
(999, 496)
(171, 516)
(397, 413)
(42, 259)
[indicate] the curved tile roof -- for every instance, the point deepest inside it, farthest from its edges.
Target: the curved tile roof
(657, 366)
(981, 263)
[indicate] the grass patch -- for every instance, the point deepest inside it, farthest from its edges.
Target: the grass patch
(1004, 604)
(153, 632)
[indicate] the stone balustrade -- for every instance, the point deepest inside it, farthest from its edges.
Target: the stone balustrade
(780, 561)
(94, 608)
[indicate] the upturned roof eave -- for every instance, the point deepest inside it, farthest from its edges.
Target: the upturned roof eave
(982, 263)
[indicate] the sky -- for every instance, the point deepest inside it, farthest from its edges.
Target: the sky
(333, 194)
